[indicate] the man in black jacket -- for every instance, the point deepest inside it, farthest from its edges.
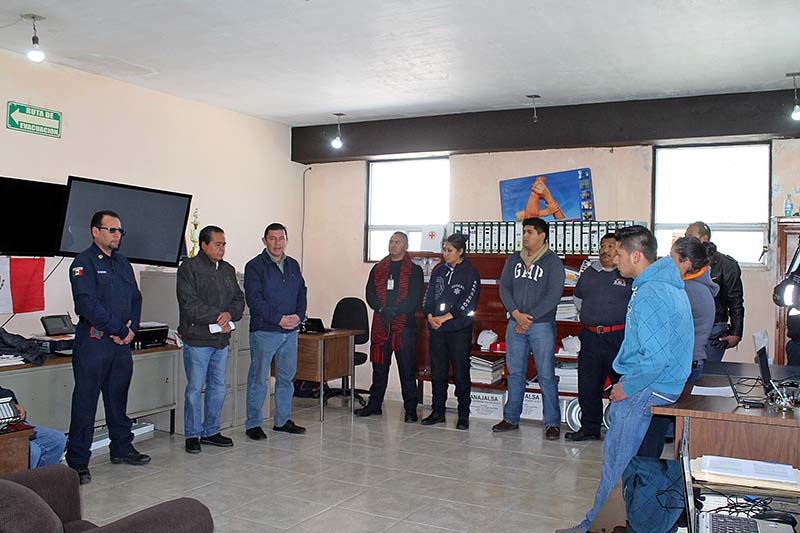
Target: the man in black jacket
(210, 301)
(393, 291)
(725, 272)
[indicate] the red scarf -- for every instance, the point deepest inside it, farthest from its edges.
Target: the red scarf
(380, 334)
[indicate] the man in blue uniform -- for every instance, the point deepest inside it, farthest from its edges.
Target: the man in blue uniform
(108, 303)
(601, 296)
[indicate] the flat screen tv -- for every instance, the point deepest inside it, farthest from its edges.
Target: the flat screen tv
(154, 220)
(30, 215)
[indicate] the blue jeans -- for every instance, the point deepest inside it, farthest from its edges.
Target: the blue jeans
(715, 354)
(47, 446)
(630, 419)
(539, 339)
(264, 345)
(205, 366)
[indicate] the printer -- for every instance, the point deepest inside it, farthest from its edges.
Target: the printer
(150, 335)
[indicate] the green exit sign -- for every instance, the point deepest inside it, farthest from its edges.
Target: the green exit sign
(30, 119)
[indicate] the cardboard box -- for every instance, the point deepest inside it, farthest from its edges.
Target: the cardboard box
(487, 404)
(533, 409)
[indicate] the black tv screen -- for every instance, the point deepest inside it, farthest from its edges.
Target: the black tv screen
(30, 215)
(154, 220)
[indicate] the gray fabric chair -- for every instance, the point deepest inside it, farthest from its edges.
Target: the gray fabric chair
(48, 499)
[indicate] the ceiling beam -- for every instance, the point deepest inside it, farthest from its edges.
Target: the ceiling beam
(764, 114)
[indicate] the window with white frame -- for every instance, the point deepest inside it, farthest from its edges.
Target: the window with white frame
(410, 195)
(725, 186)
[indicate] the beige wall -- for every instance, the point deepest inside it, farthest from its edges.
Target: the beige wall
(237, 167)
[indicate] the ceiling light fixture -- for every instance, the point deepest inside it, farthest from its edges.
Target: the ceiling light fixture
(796, 110)
(337, 141)
(35, 54)
(533, 98)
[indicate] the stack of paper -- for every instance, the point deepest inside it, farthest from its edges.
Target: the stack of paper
(484, 370)
(567, 373)
(7, 360)
(566, 310)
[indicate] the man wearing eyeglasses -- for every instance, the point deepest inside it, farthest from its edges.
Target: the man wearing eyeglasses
(109, 304)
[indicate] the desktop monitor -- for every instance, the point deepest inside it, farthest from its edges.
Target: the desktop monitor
(154, 220)
(31, 215)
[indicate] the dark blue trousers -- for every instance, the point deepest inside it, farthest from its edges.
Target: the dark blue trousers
(99, 365)
(594, 365)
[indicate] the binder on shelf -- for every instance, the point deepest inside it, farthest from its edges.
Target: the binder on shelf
(517, 236)
(473, 237)
(559, 238)
(551, 237)
(586, 238)
(568, 242)
(502, 230)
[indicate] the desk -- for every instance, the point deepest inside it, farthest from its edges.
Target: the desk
(14, 451)
(46, 390)
(325, 356)
(718, 426)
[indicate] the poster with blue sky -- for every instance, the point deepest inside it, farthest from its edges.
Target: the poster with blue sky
(564, 195)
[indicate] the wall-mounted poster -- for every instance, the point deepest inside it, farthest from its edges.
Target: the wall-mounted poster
(565, 195)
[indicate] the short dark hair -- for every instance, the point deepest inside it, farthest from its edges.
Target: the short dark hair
(402, 234)
(97, 218)
(458, 241)
(276, 226)
(609, 235)
(205, 233)
(692, 249)
(702, 229)
(538, 224)
(632, 238)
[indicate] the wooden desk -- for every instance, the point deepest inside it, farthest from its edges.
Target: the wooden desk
(325, 356)
(15, 451)
(718, 426)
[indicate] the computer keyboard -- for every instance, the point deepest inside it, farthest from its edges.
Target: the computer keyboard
(721, 523)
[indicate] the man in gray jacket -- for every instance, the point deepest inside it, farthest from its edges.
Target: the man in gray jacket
(530, 287)
(210, 301)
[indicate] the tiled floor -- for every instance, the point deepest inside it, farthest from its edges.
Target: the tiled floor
(362, 474)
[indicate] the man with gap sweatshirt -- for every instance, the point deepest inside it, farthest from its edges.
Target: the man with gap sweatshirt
(530, 287)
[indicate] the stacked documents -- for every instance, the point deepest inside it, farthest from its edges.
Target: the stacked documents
(8, 360)
(485, 370)
(567, 372)
(566, 310)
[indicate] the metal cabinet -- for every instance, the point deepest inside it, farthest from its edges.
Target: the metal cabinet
(159, 304)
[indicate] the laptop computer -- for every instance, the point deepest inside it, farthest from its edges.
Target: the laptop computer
(763, 367)
(706, 522)
(313, 325)
(745, 402)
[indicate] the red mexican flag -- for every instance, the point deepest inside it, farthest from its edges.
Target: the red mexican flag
(21, 285)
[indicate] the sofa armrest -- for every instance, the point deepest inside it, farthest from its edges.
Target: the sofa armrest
(57, 485)
(183, 515)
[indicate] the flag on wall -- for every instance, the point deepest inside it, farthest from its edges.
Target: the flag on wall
(21, 284)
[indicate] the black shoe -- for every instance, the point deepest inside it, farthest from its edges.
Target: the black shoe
(217, 440)
(368, 411)
(578, 436)
(411, 417)
(290, 427)
(432, 419)
(463, 423)
(552, 432)
(256, 433)
(131, 458)
(84, 476)
(503, 426)
(193, 445)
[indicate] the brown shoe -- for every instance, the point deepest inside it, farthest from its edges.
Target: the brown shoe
(552, 432)
(503, 426)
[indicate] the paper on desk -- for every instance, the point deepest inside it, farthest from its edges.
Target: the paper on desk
(722, 392)
(745, 468)
(216, 328)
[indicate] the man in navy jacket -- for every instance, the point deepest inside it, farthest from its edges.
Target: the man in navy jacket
(276, 295)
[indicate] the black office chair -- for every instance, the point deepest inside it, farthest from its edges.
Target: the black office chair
(351, 313)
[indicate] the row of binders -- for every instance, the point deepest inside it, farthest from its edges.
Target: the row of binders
(565, 237)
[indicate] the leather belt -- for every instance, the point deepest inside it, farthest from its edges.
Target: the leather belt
(600, 330)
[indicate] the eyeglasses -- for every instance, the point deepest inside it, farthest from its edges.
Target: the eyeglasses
(112, 230)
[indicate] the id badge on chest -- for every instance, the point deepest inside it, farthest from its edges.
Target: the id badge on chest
(390, 284)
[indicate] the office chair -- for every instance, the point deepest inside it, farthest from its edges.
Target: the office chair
(351, 313)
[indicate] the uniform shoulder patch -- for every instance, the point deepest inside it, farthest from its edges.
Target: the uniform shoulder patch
(77, 272)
